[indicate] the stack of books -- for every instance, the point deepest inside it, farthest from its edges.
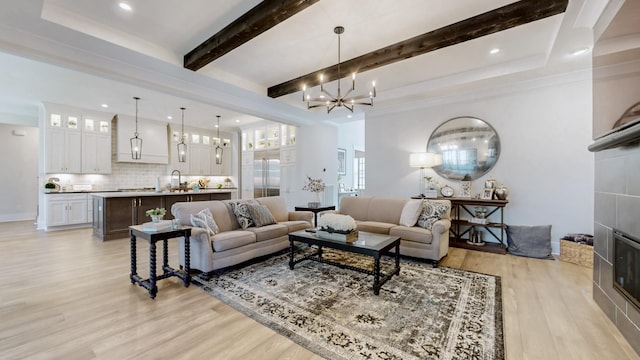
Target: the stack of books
(161, 225)
(481, 221)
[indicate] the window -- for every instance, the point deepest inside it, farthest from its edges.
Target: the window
(358, 170)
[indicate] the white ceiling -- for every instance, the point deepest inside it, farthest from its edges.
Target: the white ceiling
(85, 53)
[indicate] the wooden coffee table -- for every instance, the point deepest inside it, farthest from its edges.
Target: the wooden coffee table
(369, 244)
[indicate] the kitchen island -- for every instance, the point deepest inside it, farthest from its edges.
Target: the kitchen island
(114, 212)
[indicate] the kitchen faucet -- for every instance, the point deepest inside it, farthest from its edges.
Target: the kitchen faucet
(179, 177)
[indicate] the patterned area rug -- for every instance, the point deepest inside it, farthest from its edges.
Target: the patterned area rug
(423, 313)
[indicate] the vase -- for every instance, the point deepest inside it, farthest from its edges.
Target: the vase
(502, 192)
(317, 203)
(156, 218)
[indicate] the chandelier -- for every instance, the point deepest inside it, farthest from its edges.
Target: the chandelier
(338, 100)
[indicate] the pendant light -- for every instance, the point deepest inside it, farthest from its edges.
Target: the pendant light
(218, 148)
(136, 142)
(182, 147)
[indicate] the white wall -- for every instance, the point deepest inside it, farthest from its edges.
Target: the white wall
(19, 164)
(350, 137)
(317, 157)
(544, 133)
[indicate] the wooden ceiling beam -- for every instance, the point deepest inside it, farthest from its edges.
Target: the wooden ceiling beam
(506, 17)
(261, 18)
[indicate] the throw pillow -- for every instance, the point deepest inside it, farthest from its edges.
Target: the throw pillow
(432, 212)
(204, 219)
(241, 211)
(411, 212)
(530, 241)
(261, 215)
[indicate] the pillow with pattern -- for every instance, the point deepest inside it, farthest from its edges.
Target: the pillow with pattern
(261, 215)
(204, 219)
(241, 211)
(431, 213)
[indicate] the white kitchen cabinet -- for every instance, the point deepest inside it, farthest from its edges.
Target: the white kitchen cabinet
(96, 154)
(289, 184)
(200, 160)
(96, 145)
(174, 163)
(247, 181)
(77, 141)
(64, 149)
(223, 169)
(66, 209)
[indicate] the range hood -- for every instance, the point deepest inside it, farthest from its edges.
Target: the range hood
(625, 131)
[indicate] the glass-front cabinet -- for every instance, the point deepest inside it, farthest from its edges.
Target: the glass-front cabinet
(268, 137)
(77, 141)
(201, 146)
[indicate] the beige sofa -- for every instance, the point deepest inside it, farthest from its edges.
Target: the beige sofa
(382, 215)
(233, 245)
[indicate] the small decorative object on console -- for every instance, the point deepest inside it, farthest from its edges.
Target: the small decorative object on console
(446, 191)
(337, 227)
(431, 192)
(501, 192)
(465, 187)
(315, 186)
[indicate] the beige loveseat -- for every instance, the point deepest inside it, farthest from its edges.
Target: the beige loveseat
(382, 215)
(233, 245)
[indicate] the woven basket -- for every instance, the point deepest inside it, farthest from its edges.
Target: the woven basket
(576, 253)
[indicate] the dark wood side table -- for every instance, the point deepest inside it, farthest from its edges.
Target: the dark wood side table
(152, 237)
(315, 211)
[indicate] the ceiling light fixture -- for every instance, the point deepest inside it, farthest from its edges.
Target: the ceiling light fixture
(218, 148)
(494, 51)
(169, 117)
(338, 100)
(182, 147)
(104, 105)
(136, 142)
(125, 6)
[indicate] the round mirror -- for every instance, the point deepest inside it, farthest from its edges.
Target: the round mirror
(469, 147)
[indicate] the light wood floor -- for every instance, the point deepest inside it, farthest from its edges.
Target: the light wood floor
(66, 295)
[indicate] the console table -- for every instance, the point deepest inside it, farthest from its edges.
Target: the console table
(462, 213)
(152, 237)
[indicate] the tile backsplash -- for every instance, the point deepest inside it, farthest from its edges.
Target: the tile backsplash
(128, 176)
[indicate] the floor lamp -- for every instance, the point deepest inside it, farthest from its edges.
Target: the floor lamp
(423, 160)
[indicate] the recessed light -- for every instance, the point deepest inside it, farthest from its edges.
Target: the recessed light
(125, 6)
(237, 120)
(349, 116)
(494, 51)
(104, 105)
(169, 117)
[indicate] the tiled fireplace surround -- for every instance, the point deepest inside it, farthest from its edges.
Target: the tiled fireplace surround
(617, 205)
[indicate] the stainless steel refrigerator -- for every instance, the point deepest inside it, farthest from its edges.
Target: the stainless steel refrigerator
(266, 173)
